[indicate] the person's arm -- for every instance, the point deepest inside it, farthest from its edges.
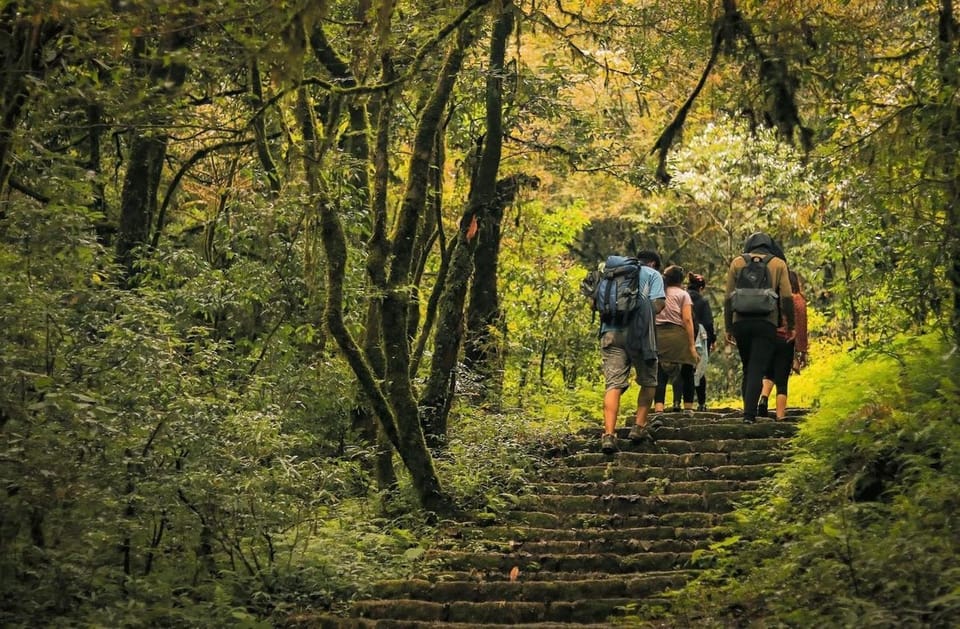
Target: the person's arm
(786, 298)
(800, 313)
(708, 324)
(686, 314)
(727, 307)
(658, 294)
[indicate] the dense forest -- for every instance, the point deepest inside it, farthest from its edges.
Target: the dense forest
(283, 285)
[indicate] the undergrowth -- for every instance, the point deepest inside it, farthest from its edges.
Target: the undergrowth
(859, 528)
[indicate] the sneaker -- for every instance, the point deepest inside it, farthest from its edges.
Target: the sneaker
(701, 407)
(749, 420)
(608, 444)
(762, 407)
(676, 408)
(639, 434)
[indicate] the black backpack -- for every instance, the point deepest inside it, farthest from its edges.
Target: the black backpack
(615, 289)
(753, 294)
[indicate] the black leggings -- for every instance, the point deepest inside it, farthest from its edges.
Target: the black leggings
(683, 386)
(671, 373)
(780, 365)
(755, 343)
(701, 391)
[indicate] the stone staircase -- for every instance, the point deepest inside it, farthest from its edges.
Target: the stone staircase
(597, 541)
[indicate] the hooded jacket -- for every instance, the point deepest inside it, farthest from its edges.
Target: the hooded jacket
(761, 244)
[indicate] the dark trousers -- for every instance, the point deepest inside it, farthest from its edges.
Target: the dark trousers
(701, 391)
(683, 386)
(756, 340)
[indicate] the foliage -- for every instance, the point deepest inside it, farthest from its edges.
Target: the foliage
(857, 529)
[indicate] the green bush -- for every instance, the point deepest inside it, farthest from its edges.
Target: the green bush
(859, 528)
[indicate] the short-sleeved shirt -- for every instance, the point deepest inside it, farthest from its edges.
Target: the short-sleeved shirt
(651, 285)
(672, 311)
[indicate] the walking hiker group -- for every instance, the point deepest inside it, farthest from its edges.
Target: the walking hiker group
(651, 325)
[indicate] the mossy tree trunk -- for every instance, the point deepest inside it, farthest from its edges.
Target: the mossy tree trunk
(438, 392)
(946, 145)
(148, 149)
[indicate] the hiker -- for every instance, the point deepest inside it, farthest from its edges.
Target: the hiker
(676, 343)
(757, 295)
(617, 361)
(706, 339)
(787, 355)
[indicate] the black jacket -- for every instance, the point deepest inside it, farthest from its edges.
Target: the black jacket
(702, 315)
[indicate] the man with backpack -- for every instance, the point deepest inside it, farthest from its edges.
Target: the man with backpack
(628, 338)
(757, 295)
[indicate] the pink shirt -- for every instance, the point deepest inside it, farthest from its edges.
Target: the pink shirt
(672, 312)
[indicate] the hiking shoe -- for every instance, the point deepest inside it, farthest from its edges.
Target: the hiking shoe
(608, 444)
(639, 434)
(762, 407)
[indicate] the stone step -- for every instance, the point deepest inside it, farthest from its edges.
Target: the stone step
(579, 547)
(524, 590)
(712, 502)
(608, 562)
(648, 487)
(327, 621)
(514, 613)
(543, 575)
(512, 534)
(665, 444)
(695, 519)
(621, 474)
(628, 458)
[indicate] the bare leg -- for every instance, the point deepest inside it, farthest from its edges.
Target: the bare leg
(767, 388)
(611, 408)
(781, 406)
(643, 404)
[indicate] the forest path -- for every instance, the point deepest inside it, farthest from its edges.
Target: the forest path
(596, 537)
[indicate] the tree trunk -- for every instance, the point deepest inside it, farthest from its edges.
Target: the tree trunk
(22, 59)
(437, 396)
(138, 198)
(483, 341)
(947, 147)
(356, 143)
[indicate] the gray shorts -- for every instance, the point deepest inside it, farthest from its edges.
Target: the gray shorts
(616, 363)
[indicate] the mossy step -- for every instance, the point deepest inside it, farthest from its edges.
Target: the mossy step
(436, 576)
(646, 487)
(592, 519)
(518, 534)
(668, 445)
(329, 621)
(613, 563)
(714, 502)
(554, 546)
(523, 590)
(496, 612)
(701, 430)
(615, 473)
(662, 459)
